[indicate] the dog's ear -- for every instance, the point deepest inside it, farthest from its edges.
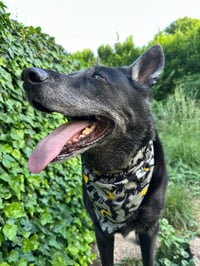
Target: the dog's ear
(147, 68)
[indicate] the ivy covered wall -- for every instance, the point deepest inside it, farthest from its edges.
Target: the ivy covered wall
(42, 219)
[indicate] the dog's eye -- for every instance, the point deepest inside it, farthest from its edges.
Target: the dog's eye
(98, 76)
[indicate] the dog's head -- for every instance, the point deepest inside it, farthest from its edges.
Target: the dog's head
(102, 104)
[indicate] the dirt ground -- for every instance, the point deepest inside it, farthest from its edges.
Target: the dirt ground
(126, 248)
(195, 248)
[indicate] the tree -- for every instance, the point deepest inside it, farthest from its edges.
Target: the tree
(182, 25)
(83, 59)
(181, 44)
(121, 54)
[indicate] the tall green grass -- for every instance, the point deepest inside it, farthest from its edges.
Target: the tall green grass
(180, 209)
(178, 122)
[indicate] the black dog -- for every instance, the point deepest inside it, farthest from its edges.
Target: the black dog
(110, 124)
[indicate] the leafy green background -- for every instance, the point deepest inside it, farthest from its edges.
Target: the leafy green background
(42, 219)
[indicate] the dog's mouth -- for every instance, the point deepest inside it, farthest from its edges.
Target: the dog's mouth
(69, 140)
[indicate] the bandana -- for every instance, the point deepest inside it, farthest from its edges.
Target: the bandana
(116, 197)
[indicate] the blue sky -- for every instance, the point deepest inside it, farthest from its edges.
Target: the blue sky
(79, 24)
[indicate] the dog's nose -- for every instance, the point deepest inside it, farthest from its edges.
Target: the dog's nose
(34, 75)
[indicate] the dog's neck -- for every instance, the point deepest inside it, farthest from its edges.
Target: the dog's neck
(126, 188)
(142, 155)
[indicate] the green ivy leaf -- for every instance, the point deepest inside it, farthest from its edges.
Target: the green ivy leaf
(17, 184)
(4, 264)
(16, 154)
(54, 243)
(1, 205)
(74, 250)
(89, 237)
(13, 256)
(22, 262)
(14, 210)
(7, 160)
(2, 61)
(61, 259)
(45, 217)
(10, 231)
(29, 244)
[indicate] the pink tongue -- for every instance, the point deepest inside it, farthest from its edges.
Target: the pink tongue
(48, 148)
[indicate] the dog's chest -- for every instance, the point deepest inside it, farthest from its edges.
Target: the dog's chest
(116, 197)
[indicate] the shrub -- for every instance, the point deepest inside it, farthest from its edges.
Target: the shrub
(174, 249)
(42, 219)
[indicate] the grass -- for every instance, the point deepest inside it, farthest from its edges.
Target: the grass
(180, 209)
(178, 123)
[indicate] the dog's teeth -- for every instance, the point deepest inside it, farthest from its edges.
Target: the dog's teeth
(87, 130)
(84, 133)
